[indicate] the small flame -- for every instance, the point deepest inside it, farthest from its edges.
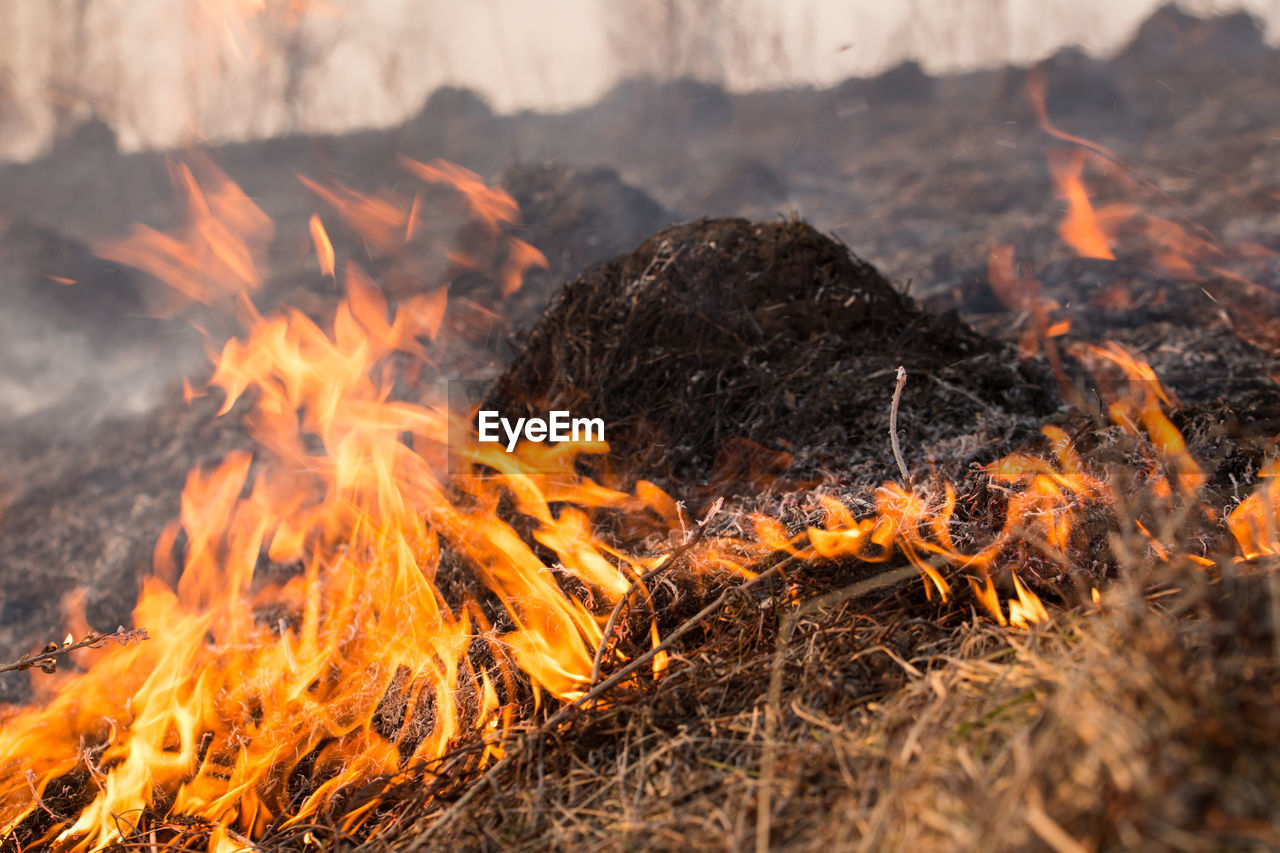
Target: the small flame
(1079, 229)
(1141, 400)
(1027, 609)
(521, 258)
(381, 221)
(324, 248)
(389, 222)
(493, 206)
(1255, 522)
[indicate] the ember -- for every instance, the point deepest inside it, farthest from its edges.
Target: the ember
(985, 562)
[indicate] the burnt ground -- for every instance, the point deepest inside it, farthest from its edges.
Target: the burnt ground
(775, 335)
(724, 329)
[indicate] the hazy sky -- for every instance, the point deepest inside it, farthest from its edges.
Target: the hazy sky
(164, 70)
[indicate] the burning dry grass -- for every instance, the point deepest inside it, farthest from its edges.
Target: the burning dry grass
(825, 698)
(837, 703)
(1147, 721)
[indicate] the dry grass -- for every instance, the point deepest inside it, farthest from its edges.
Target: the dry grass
(879, 721)
(1147, 722)
(833, 707)
(1146, 725)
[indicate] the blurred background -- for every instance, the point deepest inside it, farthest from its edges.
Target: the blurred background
(163, 73)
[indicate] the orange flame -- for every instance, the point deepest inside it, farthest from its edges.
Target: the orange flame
(217, 255)
(493, 206)
(390, 222)
(324, 248)
(1027, 608)
(1141, 400)
(1179, 249)
(1255, 522)
(207, 719)
(380, 221)
(1079, 229)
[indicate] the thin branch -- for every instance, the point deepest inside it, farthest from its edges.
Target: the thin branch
(47, 658)
(893, 425)
(35, 795)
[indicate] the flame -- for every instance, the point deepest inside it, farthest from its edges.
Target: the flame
(1254, 523)
(324, 247)
(381, 221)
(220, 252)
(1141, 400)
(521, 258)
(1027, 608)
(1042, 496)
(1174, 246)
(1079, 229)
(255, 683)
(389, 222)
(494, 208)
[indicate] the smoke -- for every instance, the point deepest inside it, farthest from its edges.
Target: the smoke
(75, 336)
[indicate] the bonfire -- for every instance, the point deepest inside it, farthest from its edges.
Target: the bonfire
(519, 512)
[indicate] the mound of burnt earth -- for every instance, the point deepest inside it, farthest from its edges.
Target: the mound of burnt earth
(722, 330)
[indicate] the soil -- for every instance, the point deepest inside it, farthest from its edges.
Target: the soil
(724, 329)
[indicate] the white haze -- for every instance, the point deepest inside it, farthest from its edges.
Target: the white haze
(161, 77)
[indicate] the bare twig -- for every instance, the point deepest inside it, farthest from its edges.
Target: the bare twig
(47, 661)
(35, 795)
(893, 425)
(684, 548)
